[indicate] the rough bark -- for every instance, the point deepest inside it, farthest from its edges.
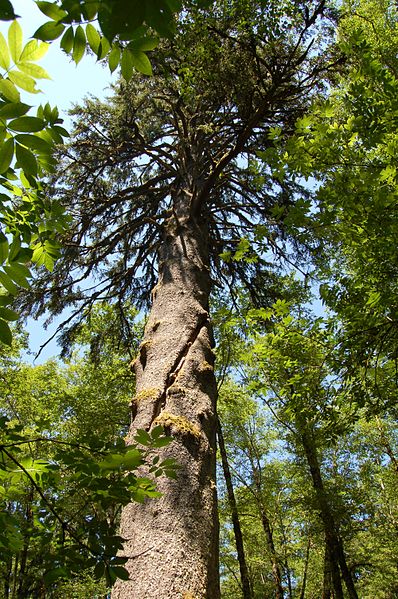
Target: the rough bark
(172, 543)
(244, 574)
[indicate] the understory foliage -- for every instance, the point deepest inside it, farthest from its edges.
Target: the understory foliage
(285, 403)
(65, 471)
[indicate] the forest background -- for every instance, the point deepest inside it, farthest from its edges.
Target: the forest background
(307, 403)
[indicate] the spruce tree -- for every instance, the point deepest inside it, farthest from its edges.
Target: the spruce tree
(166, 193)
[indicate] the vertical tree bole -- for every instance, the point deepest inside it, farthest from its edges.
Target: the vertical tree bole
(172, 542)
(244, 573)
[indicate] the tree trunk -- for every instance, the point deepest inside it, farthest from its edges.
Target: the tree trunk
(172, 542)
(335, 547)
(327, 576)
(23, 556)
(305, 570)
(244, 575)
(7, 578)
(345, 571)
(385, 443)
(276, 571)
(285, 560)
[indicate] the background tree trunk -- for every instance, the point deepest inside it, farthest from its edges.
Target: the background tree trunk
(172, 543)
(276, 569)
(244, 575)
(327, 575)
(336, 553)
(305, 571)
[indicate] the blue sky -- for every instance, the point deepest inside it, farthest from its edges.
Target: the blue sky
(69, 84)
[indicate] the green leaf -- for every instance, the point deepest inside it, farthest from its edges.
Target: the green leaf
(373, 299)
(13, 110)
(26, 160)
(93, 38)
(49, 31)
(103, 48)
(15, 40)
(34, 143)
(9, 91)
(5, 333)
(51, 10)
(23, 81)
(114, 58)
(120, 572)
(7, 283)
(52, 575)
(3, 248)
(176, 5)
(34, 50)
(46, 254)
(27, 124)
(15, 248)
(6, 154)
(114, 19)
(141, 62)
(242, 249)
(132, 459)
(161, 441)
(34, 70)
(17, 275)
(8, 314)
(20, 270)
(5, 300)
(112, 462)
(90, 9)
(4, 53)
(7, 11)
(127, 65)
(61, 130)
(67, 40)
(159, 17)
(143, 437)
(57, 138)
(99, 570)
(79, 44)
(144, 44)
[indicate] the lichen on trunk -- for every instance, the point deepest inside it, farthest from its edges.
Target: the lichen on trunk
(175, 538)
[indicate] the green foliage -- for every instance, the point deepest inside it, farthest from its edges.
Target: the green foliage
(30, 220)
(290, 382)
(346, 147)
(65, 469)
(100, 478)
(115, 33)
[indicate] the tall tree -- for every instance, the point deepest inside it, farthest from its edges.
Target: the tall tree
(161, 181)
